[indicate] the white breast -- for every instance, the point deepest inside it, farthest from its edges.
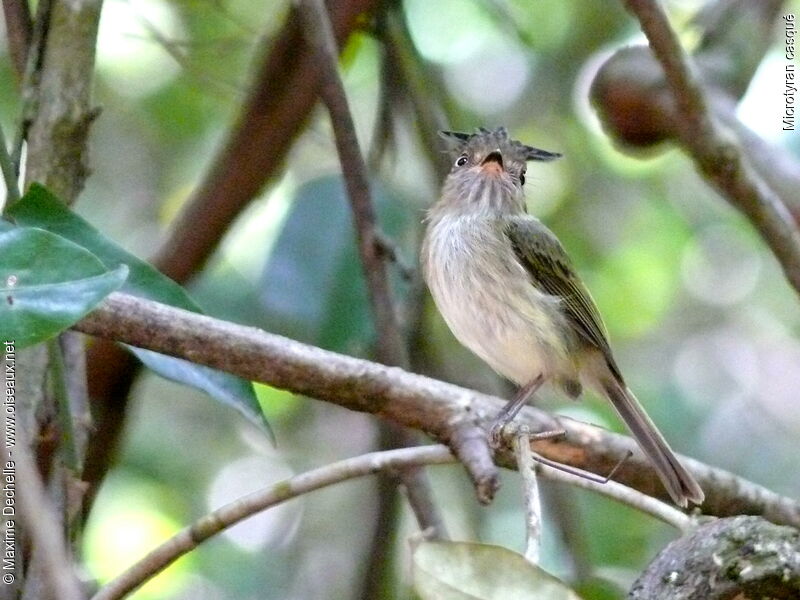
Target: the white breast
(487, 299)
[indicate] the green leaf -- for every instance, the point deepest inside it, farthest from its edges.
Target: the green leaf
(47, 284)
(40, 208)
(217, 384)
(466, 571)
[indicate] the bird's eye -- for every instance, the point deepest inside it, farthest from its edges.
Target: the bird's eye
(522, 177)
(462, 160)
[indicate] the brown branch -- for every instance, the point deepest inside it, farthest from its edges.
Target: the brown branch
(405, 398)
(630, 91)
(42, 523)
(280, 101)
(319, 34)
(57, 136)
(189, 538)
(226, 516)
(19, 30)
(740, 557)
(391, 345)
(716, 153)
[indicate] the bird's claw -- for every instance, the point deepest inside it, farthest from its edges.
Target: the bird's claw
(496, 433)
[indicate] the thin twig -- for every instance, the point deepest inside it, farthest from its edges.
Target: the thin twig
(717, 153)
(63, 407)
(280, 100)
(422, 85)
(621, 493)
(9, 173)
(389, 248)
(246, 506)
(278, 105)
(222, 88)
(31, 79)
(367, 464)
(41, 521)
(404, 398)
(420, 498)
(533, 504)
(391, 347)
(319, 34)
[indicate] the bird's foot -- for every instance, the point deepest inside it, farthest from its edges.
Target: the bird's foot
(497, 432)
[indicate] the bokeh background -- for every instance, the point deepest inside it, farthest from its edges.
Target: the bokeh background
(702, 321)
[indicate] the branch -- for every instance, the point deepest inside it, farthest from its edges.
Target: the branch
(57, 136)
(715, 152)
(390, 344)
(319, 34)
(229, 515)
(189, 538)
(530, 488)
(43, 525)
(662, 511)
(9, 174)
(19, 30)
(416, 79)
(432, 406)
(279, 103)
(740, 557)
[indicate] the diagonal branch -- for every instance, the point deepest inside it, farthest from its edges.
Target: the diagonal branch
(432, 406)
(280, 100)
(319, 34)
(226, 516)
(275, 111)
(39, 515)
(716, 152)
(391, 347)
(242, 508)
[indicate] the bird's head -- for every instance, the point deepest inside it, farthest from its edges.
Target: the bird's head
(488, 170)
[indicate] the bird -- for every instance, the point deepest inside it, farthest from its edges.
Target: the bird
(509, 292)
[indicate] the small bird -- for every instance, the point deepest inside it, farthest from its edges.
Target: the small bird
(508, 291)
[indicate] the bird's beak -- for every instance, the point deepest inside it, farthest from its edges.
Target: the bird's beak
(493, 163)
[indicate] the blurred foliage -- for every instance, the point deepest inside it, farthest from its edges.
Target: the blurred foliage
(700, 317)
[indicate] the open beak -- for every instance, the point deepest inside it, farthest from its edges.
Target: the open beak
(493, 163)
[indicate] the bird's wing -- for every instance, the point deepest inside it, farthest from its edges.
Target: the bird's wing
(551, 271)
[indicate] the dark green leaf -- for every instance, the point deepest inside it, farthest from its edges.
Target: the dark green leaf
(216, 384)
(40, 208)
(47, 284)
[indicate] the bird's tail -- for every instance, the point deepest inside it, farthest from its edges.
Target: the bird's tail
(680, 484)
